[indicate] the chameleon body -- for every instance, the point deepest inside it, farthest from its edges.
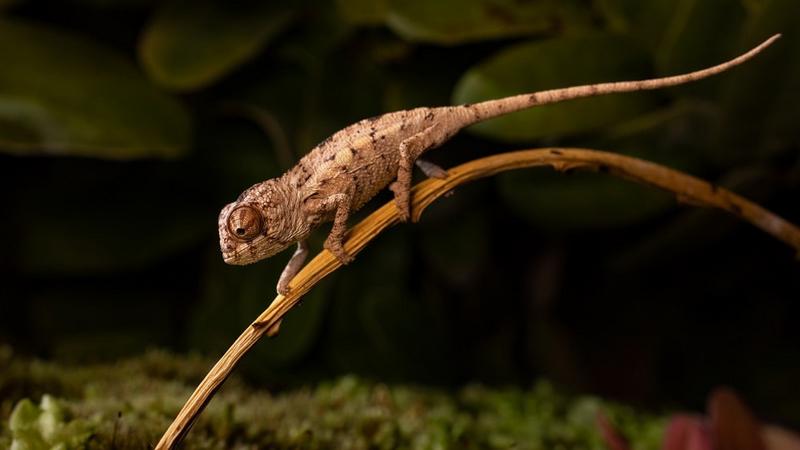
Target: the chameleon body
(346, 170)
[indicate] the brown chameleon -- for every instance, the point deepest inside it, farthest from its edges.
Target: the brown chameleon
(342, 173)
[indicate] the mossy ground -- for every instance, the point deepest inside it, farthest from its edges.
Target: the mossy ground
(128, 405)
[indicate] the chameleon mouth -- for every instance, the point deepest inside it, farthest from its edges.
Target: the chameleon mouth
(237, 257)
(242, 254)
(229, 258)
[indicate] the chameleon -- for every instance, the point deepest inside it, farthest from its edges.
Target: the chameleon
(343, 172)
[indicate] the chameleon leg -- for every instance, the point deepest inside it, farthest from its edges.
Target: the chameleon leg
(410, 149)
(333, 243)
(292, 267)
(340, 202)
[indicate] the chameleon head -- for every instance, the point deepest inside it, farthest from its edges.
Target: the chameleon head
(255, 226)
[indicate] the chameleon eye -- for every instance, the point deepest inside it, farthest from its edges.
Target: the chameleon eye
(245, 222)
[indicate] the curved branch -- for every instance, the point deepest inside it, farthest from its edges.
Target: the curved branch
(687, 189)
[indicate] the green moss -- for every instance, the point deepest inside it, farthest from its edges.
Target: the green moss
(127, 405)
(48, 426)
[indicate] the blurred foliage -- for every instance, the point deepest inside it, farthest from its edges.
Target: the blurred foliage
(448, 22)
(64, 94)
(126, 125)
(570, 62)
(189, 45)
(127, 405)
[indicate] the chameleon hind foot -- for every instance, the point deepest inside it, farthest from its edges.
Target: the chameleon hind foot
(430, 169)
(402, 187)
(401, 200)
(409, 150)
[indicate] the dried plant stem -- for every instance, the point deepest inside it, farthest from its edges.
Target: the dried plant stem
(687, 189)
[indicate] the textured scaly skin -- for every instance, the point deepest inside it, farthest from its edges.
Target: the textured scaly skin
(346, 170)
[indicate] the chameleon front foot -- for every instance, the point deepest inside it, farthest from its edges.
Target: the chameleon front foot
(292, 267)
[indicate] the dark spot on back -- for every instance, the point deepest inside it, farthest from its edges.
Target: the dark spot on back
(556, 152)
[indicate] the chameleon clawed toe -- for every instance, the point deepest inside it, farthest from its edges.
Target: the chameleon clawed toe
(339, 252)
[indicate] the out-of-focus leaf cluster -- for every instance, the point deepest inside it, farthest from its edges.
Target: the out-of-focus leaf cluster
(126, 125)
(127, 405)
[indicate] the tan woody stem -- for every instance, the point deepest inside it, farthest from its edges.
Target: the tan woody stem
(686, 188)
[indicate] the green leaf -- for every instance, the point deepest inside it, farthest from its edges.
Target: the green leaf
(45, 427)
(675, 135)
(761, 99)
(116, 4)
(363, 12)
(24, 426)
(672, 29)
(459, 21)
(64, 94)
(555, 63)
(191, 44)
(580, 200)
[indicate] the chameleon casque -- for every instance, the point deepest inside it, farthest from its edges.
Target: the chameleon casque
(342, 173)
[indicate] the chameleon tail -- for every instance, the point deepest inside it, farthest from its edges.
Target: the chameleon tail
(492, 108)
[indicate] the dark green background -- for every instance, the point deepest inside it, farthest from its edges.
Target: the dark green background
(126, 125)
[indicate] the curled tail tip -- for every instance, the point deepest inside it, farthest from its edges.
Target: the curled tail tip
(757, 49)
